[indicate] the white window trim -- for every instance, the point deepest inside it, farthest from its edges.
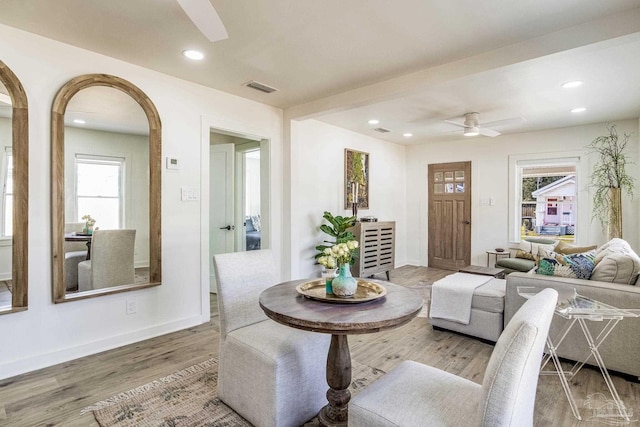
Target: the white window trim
(574, 158)
(4, 168)
(101, 159)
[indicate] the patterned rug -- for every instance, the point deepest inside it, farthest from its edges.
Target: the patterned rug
(187, 398)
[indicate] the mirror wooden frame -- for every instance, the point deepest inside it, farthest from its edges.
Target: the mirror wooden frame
(20, 150)
(58, 191)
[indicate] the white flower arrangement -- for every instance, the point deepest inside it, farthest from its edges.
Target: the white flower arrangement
(341, 253)
(90, 221)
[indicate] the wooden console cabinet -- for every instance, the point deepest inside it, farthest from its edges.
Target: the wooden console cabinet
(377, 242)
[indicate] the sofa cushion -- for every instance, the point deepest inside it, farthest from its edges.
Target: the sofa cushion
(518, 264)
(616, 262)
(490, 296)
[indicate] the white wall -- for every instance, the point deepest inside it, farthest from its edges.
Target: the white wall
(490, 179)
(135, 150)
(317, 153)
(47, 333)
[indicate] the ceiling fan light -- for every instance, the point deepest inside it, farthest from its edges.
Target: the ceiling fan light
(471, 131)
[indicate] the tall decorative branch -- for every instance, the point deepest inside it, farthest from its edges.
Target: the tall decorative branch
(609, 178)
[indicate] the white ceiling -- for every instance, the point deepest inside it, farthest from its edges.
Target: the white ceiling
(409, 63)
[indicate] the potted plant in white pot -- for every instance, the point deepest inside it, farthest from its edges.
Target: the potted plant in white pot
(609, 178)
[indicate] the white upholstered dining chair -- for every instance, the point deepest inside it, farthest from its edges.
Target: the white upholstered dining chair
(111, 262)
(413, 394)
(74, 254)
(271, 374)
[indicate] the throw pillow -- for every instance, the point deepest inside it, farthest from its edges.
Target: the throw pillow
(565, 248)
(575, 266)
(532, 250)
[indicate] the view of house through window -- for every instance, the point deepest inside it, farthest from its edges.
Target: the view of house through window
(99, 190)
(548, 200)
(7, 192)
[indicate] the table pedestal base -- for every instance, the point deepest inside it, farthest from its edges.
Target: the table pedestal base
(339, 379)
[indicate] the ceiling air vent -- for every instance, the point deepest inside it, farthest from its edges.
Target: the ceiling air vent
(260, 86)
(382, 130)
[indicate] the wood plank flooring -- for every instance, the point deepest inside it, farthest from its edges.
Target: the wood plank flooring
(54, 396)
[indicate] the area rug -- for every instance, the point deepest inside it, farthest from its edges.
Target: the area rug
(187, 398)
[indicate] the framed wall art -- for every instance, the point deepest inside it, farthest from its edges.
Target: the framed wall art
(356, 179)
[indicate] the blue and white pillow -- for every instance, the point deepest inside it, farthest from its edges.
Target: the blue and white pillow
(575, 266)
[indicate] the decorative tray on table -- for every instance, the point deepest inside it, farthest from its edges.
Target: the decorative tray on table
(367, 291)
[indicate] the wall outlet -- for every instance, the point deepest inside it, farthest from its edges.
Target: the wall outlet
(132, 306)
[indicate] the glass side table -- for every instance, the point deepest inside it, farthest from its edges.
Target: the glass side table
(579, 309)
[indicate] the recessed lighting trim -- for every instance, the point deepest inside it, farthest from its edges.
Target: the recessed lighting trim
(373, 121)
(79, 121)
(193, 54)
(579, 110)
(407, 135)
(572, 84)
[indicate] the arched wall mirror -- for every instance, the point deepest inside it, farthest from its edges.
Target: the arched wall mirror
(106, 166)
(14, 185)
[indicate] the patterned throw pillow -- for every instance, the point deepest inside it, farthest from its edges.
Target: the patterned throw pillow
(575, 266)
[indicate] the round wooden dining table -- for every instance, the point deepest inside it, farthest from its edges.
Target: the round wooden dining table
(285, 305)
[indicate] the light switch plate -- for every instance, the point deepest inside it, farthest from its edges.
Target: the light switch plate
(173, 163)
(188, 194)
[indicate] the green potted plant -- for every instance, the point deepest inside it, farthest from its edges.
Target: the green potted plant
(338, 229)
(608, 179)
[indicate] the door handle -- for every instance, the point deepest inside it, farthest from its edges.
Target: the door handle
(228, 227)
(466, 222)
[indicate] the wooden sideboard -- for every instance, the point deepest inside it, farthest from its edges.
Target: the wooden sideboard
(377, 242)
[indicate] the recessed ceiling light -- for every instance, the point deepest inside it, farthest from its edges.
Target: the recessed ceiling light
(407, 135)
(569, 85)
(193, 54)
(374, 121)
(579, 110)
(79, 121)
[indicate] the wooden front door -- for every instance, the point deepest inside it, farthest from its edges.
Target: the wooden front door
(449, 215)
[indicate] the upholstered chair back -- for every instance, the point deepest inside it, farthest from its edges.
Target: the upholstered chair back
(240, 278)
(111, 263)
(509, 385)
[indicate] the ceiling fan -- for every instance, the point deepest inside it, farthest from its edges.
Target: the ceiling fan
(473, 128)
(203, 14)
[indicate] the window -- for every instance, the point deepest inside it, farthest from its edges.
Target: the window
(7, 192)
(547, 198)
(99, 190)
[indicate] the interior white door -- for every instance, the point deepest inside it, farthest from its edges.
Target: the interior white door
(221, 203)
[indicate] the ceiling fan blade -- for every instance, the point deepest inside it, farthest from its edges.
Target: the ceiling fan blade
(504, 122)
(203, 14)
(488, 132)
(455, 123)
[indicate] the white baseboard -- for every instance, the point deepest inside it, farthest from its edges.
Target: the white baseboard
(17, 367)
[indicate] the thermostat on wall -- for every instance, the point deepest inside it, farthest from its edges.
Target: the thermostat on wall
(173, 163)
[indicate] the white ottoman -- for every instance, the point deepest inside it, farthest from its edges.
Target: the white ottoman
(487, 313)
